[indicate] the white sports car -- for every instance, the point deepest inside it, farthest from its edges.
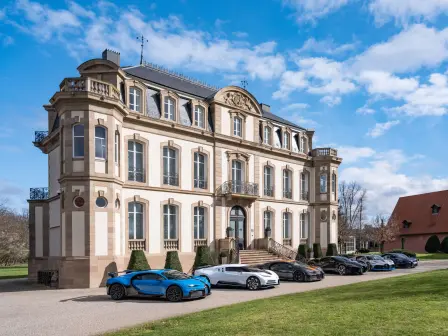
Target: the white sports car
(238, 275)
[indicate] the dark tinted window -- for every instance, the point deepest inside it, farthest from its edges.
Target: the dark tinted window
(281, 267)
(151, 276)
(325, 260)
(233, 269)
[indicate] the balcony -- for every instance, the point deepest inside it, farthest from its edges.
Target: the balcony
(200, 183)
(239, 189)
(324, 152)
(304, 196)
(39, 136)
(200, 242)
(136, 174)
(137, 244)
(171, 244)
(287, 193)
(38, 194)
(269, 191)
(87, 84)
(171, 179)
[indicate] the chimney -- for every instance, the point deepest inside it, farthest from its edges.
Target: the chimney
(265, 107)
(112, 56)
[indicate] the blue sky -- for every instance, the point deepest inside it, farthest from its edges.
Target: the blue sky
(369, 76)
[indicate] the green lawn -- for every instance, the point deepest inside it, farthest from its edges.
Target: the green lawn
(406, 305)
(13, 272)
(432, 256)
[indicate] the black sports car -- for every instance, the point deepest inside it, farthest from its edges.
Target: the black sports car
(360, 259)
(294, 270)
(338, 264)
(401, 260)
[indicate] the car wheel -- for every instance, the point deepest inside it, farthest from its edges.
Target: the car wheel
(342, 269)
(174, 294)
(117, 292)
(298, 276)
(253, 283)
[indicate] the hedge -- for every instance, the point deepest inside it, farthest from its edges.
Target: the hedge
(433, 244)
(317, 251)
(444, 245)
(138, 261)
(301, 252)
(203, 257)
(172, 261)
(332, 250)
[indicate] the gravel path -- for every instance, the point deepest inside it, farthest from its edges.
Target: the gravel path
(89, 311)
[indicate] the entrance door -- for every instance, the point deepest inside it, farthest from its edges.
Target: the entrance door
(238, 224)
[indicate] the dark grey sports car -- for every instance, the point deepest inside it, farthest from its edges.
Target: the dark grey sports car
(294, 270)
(338, 264)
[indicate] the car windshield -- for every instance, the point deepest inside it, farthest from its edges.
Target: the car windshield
(340, 258)
(176, 275)
(252, 269)
(299, 263)
(376, 258)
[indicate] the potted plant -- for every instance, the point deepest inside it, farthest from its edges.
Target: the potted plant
(229, 231)
(224, 255)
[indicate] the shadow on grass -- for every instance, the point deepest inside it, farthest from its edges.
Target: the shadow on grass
(9, 277)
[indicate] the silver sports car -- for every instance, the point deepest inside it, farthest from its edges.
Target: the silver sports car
(378, 263)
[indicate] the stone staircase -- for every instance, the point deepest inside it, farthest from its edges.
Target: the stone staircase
(251, 257)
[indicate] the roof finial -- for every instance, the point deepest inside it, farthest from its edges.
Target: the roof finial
(244, 83)
(142, 38)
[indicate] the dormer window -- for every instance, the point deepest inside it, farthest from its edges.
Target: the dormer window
(135, 95)
(237, 127)
(267, 135)
(406, 224)
(435, 209)
(199, 115)
(286, 140)
(170, 108)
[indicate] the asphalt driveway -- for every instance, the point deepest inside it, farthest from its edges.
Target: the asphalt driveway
(89, 311)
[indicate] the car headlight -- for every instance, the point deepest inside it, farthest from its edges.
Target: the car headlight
(192, 285)
(266, 275)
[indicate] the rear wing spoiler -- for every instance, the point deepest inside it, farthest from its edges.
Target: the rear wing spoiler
(115, 274)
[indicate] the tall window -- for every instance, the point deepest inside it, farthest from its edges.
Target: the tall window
(117, 148)
(303, 189)
(237, 127)
(200, 180)
(135, 97)
(333, 185)
(78, 141)
(286, 225)
(135, 211)
(135, 161)
(286, 140)
(287, 190)
(199, 222)
(169, 221)
(237, 176)
(170, 172)
(199, 116)
(323, 183)
(169, 108)
(302, 144)
(267, 135)
(303, 229)
(268, 182)
(267, 223)
(100, 142)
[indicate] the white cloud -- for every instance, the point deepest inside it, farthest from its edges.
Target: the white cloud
(365, 110)
(241, 35)
(331, 101)
(302, 121)
(310, 10)
(327, 46)
(383, 83)
(290, 82)
(295, 106)
(351, 154)
(380, 128)
(406, 11)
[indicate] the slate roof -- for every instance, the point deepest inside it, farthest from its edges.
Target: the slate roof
(178, 83)
(417, 210)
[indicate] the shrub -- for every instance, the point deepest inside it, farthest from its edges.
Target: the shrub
(332, 250)
(301, 252)
(138, 261)
(308, 252)
(317, 251)
(203, 257)
(433, 244)
(172, 261)
(444, 245)
(363, 250)
(405, 252)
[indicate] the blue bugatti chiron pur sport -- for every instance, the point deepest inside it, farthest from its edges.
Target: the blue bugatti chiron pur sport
(170, 284)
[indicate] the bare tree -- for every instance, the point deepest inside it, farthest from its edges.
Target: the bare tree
(385, 230)
(352, 197)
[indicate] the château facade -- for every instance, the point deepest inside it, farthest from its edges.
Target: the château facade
(142, 158)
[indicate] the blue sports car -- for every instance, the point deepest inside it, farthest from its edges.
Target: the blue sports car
(170, 284)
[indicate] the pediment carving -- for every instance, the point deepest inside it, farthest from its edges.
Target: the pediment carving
(238, 100)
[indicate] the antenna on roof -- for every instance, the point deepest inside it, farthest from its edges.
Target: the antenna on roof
(244, 83)
(142, 38)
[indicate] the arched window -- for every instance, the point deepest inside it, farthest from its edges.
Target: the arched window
(100, 142)
(286, 140)
(268, 180)
(287, 184)
(170, 218)
(200, 177)
(135, 97)
(170, 166)
(267, 135)
(237, 127)
(135, 161)
(135, 217)
(323, 183)
(78, 141)
(170, 108)
(303, 228)
(287, 228)
(199, 116)
(199, 223)
(267, 223)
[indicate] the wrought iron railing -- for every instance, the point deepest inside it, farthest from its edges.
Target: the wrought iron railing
(40, 135)
(287, 193)
(171, 179)
(324, 152)
(38, 193)
(304, 196)
(200, 183)
(287, 241)
(48, 278)
(269, 191)
(137, 244)
(136, 174)
(239, 187)
(171, 244)
(280, 250)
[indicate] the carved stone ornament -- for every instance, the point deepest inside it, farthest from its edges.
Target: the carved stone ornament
(238, 100)
(323, 215)
(334, 215)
